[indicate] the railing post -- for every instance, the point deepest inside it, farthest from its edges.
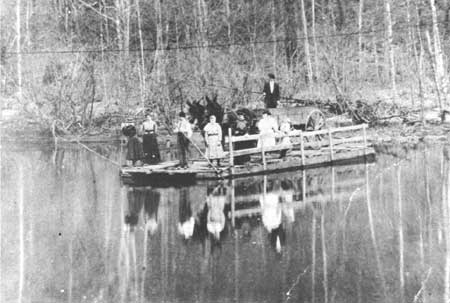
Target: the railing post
(262, 152)
(233, 203)
(331, 144)
(365, 139)
(302, 148)
(304, 186)
(230, 147)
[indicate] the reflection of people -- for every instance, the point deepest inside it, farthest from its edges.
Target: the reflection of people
(135, 201)
(186, 219)
(272, 215)
(150, 142)
(287, 196)
(271, 92)
(216, 216)
(151, 205)
(184, 133)
(213, 138)
(271, 208)
(277, 238)
(267, 128)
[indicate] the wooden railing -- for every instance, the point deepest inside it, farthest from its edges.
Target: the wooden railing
(333, 144)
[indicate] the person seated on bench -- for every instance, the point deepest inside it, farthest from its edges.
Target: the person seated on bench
(241, 129)
(285, 129)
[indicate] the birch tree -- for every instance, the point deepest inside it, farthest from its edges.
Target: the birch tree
(313, 29)
(305, 34)
(18, 49)
(141, 48)
(440, 73)
(274, 35)
(360, 15)
(390, 47)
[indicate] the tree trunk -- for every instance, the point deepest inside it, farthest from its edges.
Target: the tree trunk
(105, 90)
(307, 53)
(433, 67)
(274, 36)
(390, 47)
(313, 28)
(18, 50)
(290, 41)
(227, 9)
(441, 76)
(126, 9)
(360, 15)
(341, 20)
(418, 58)
(141, 45)
(27, 24)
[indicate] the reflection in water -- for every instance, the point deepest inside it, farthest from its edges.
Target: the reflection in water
(216, 205)
(71, 233)
(187, 221)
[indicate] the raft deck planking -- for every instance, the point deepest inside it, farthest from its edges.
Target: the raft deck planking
(320, 153)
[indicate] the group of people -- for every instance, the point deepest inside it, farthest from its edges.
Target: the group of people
(147, 150)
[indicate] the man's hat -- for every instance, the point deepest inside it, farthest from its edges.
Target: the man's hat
(271, 76)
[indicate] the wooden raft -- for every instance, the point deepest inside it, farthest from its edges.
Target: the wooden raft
(308, 149)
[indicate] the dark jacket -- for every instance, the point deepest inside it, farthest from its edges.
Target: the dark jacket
(271, 98)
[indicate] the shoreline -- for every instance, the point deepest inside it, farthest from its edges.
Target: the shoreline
(379, 135)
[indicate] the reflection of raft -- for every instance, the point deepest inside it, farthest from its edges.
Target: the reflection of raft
(308, 149)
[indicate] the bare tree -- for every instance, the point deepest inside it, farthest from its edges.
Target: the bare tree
(305, 33)
(141, 46)
(390, 47)
(274, 35)
(441, 77)
(360, 16)
(313, 29)
(18, 49)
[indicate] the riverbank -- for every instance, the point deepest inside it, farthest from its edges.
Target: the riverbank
(380, 135)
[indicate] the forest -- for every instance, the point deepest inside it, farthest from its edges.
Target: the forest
(87, 65)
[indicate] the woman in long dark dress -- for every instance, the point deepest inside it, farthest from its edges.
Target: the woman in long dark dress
(150, 142)
(134, 146)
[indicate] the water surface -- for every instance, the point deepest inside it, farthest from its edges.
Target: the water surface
(71, 232)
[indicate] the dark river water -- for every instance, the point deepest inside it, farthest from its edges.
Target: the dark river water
(72, 232)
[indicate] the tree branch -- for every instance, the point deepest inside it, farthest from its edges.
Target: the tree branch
(96, 10)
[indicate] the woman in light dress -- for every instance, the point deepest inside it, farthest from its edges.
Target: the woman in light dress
(213, 140)
(267, 127)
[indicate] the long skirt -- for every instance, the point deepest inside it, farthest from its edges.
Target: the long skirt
(267, 139)
(214, 150)
(134, 150)
(151, 149)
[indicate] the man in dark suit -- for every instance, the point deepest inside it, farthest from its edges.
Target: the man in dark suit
(271, 92)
